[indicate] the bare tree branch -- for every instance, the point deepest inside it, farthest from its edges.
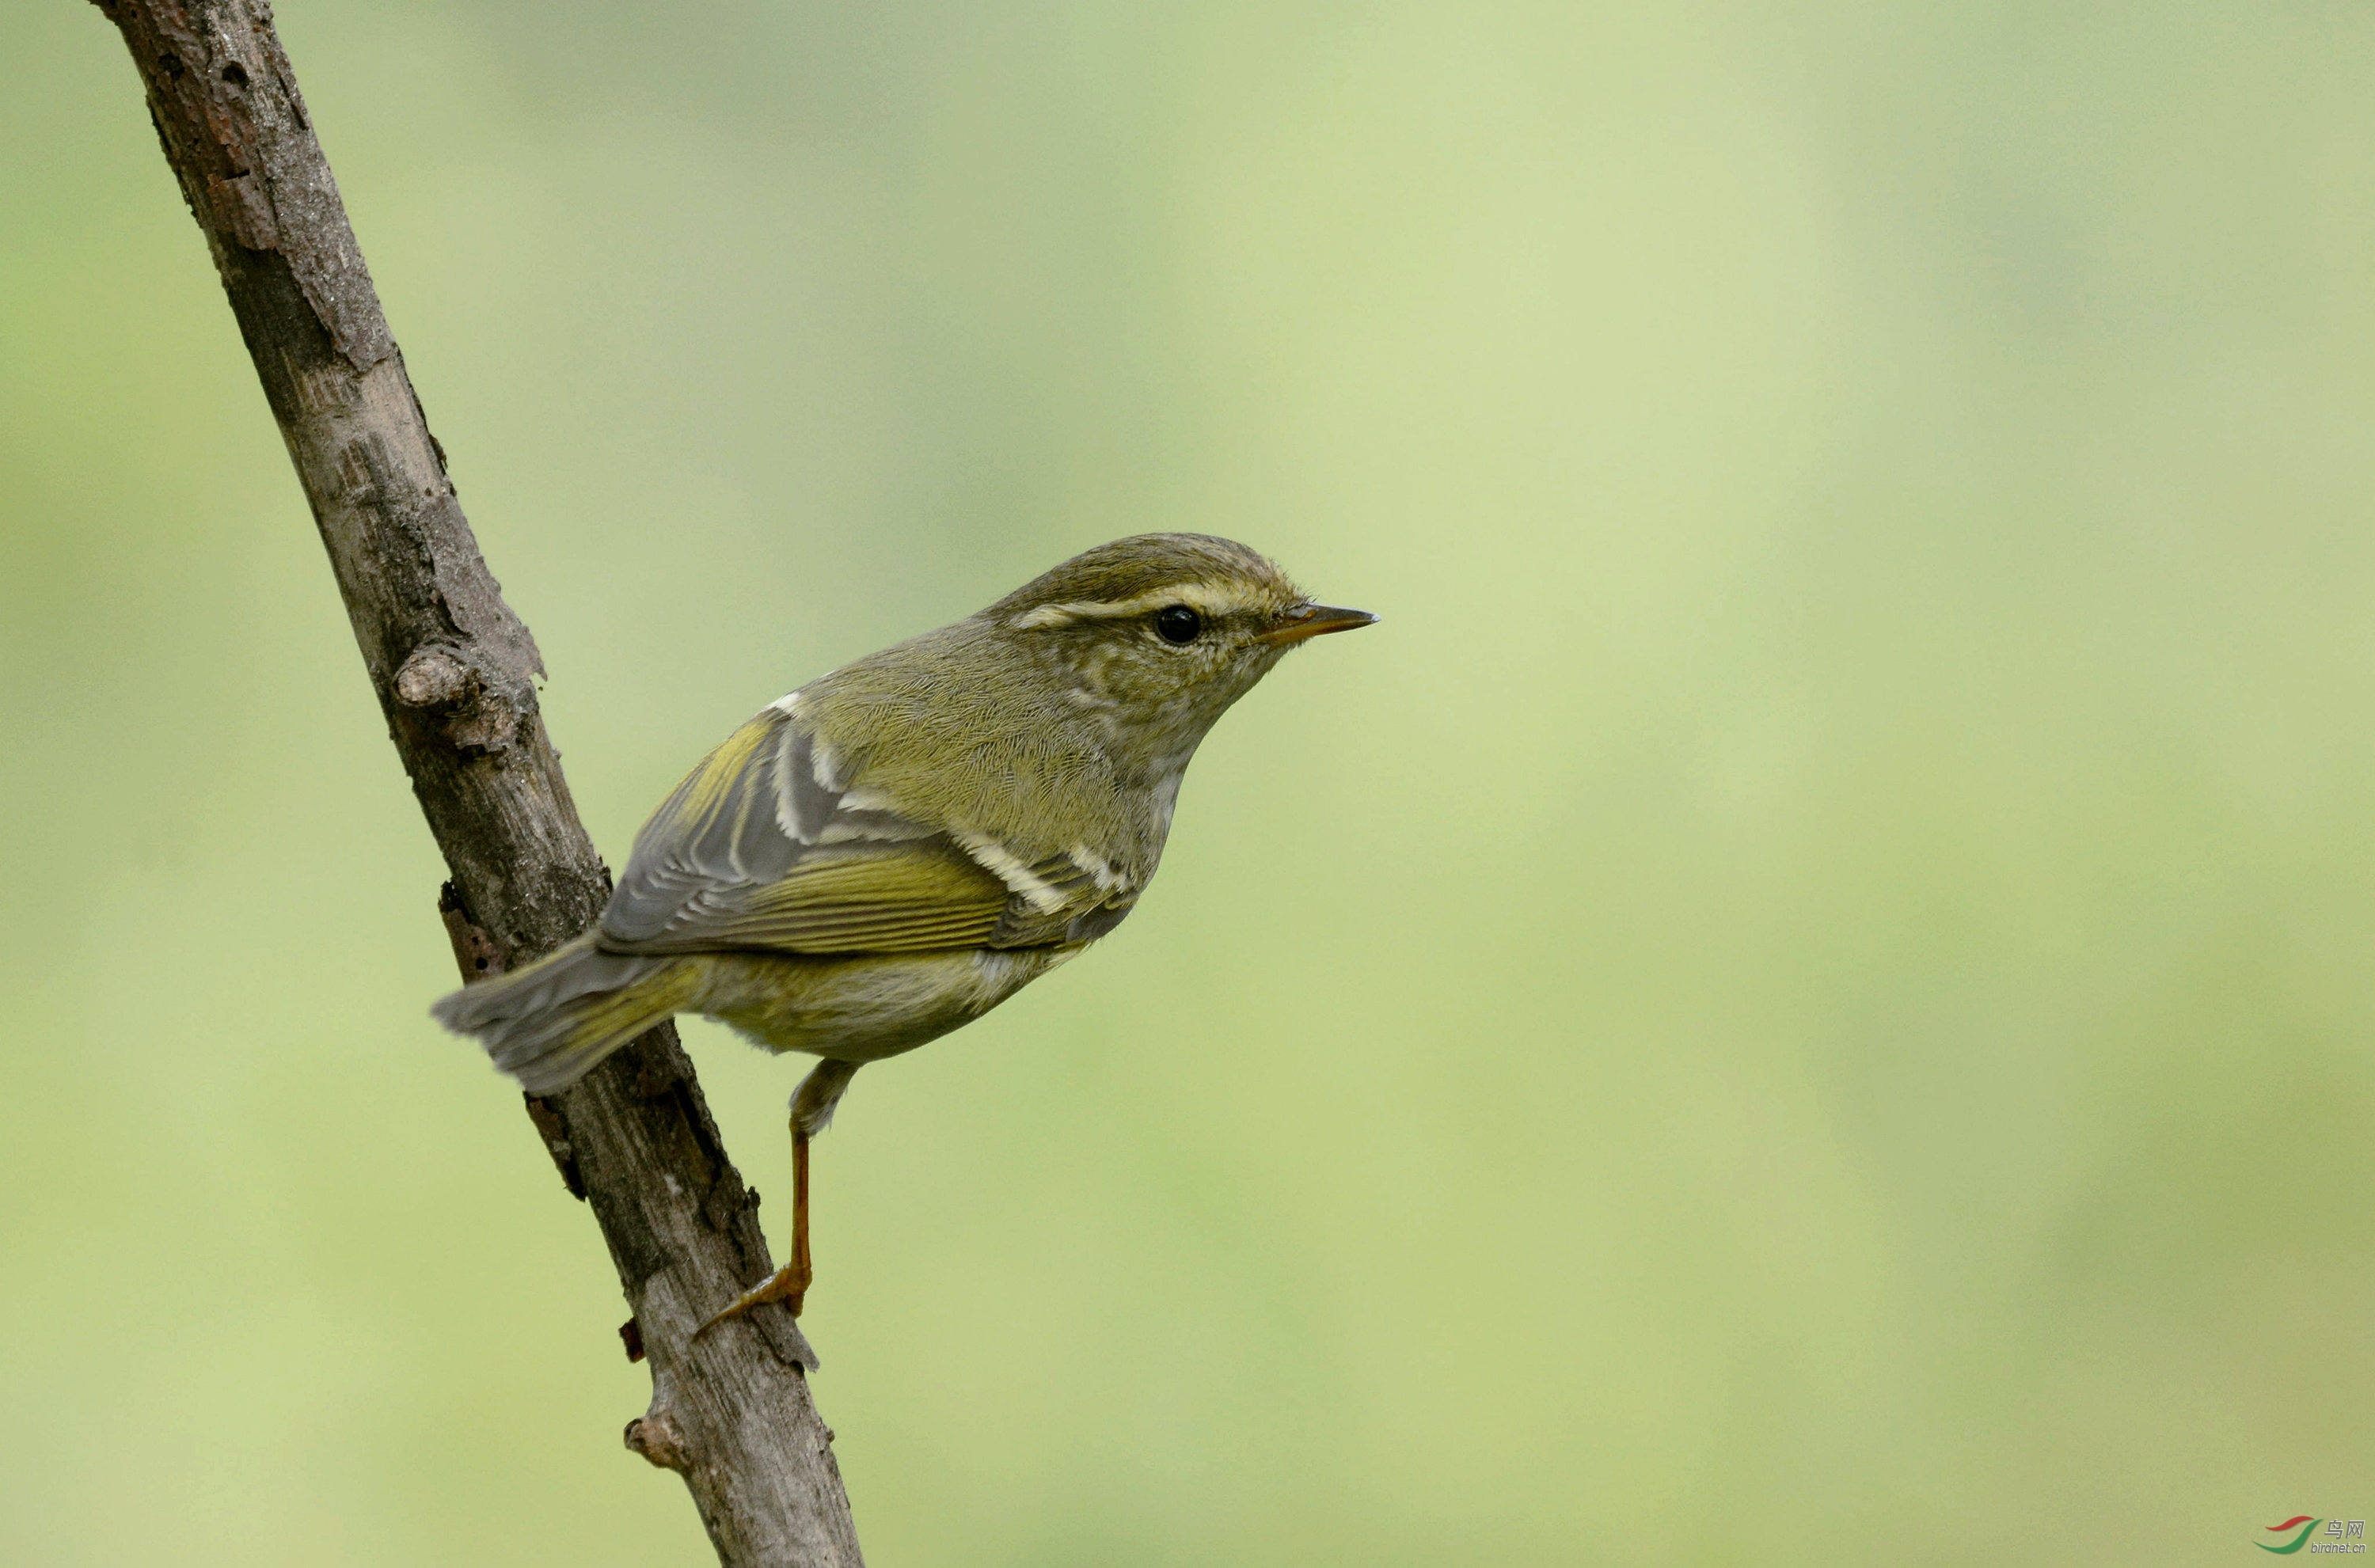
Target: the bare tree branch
(454, 672)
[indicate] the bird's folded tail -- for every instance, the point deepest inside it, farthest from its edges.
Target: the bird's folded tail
(549, 1024)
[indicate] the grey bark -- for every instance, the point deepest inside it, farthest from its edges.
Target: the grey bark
(454, 670)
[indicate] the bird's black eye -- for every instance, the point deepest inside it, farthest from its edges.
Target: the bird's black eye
(1178, 623)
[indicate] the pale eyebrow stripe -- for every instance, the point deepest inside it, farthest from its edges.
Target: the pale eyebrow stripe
(1213, 598)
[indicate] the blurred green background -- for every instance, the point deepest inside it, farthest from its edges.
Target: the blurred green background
(1806, 997)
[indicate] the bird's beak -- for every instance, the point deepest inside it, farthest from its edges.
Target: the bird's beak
(1317, 621)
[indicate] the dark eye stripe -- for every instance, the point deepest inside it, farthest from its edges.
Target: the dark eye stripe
(1178, 623)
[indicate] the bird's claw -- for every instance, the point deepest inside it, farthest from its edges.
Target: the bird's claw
(789, 1283)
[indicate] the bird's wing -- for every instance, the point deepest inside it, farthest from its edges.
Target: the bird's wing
(766, 846)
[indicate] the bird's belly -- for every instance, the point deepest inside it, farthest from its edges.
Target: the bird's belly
(864, 1008)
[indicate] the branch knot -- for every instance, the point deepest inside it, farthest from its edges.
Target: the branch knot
(432, 678)
(479, 715)
(653, 1436)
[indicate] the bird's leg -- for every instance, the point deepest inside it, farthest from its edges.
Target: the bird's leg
(789, 1283)
(812, 1107)
(799, 1266)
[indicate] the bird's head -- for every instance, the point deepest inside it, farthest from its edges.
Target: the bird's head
(1158, 633)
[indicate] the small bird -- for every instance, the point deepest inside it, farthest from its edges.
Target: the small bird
(896, 848)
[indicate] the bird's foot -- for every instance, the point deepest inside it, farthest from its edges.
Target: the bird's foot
(789, 1283)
